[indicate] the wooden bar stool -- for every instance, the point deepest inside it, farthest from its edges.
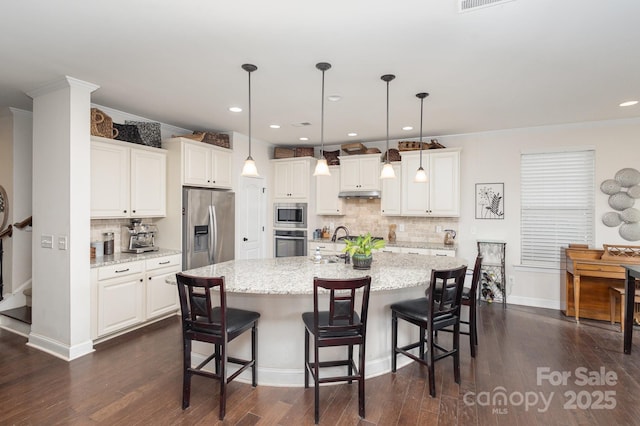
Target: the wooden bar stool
(616, 293)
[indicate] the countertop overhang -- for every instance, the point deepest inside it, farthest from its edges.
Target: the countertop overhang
(121, 257)
(294, 275)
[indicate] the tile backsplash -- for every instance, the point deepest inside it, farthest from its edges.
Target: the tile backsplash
(100, 226)
(363, 215)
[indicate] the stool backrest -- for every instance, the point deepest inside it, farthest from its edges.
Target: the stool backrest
(450, 297)
(343, 317)
(199, 315)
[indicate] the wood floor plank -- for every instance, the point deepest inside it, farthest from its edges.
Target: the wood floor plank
(136, 379)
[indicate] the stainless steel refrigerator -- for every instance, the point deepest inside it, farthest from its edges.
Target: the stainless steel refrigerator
(208, 227)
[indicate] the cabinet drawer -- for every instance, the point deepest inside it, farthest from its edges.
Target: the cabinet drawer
(163, 262)
(120, 270)
(420, 251)
(436, 252)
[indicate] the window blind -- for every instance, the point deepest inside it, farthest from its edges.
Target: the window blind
(557, 204)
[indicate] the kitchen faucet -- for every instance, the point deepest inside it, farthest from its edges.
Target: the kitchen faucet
(333, 239)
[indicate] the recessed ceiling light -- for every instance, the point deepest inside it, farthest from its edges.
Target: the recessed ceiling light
(352, 134)
(274, 126)
(235, 109)
(304, 139)
(407, 128)
(628, 103)
(334, 98)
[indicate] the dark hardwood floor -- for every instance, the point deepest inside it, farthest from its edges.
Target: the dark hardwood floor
(136, 380)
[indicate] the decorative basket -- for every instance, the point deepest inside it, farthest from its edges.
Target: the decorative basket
(303, 151)
(622, 253)
(102, 124)
(394, 155)
(332, 157)
(218, 139)
(354, 148)
(279, 152)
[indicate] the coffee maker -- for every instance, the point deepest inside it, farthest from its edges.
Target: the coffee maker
(138, 237)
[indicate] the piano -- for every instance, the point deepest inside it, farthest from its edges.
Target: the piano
(590, 273)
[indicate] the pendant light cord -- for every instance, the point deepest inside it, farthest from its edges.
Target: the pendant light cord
(388, 159)
(249, 113)
(421, 114)
(322, 119)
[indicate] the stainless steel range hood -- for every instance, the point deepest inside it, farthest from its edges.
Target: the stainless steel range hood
(359, 194)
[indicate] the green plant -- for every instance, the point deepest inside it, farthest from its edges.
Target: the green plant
(363, 244)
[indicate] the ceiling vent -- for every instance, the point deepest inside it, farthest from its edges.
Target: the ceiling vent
(303, 124)
(469, 5)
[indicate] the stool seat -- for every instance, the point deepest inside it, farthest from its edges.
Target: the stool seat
(616, 293)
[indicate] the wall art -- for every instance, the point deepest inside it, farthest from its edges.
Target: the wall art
(623, 190)
(489, 200)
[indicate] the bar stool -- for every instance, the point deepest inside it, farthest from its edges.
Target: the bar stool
(341, 325)
(616, 293)
(219, 325)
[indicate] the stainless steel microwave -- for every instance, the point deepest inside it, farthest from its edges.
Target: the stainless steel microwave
(290, 215)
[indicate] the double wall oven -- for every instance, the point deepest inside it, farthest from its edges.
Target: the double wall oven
(290, 234)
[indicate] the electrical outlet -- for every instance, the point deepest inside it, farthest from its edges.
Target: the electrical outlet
(401, 227)
(511, 280)
(438, 228)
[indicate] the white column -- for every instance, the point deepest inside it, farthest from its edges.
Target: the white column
(61, 210)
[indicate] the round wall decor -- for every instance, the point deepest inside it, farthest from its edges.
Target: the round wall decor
(623, 191)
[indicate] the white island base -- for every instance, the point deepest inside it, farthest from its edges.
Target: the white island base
(281, 290)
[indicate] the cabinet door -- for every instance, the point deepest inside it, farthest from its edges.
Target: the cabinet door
(444, 183)
(221, 161)
(162, 298)
(148, 183)
(369, 173)
(281, 179)
(327, 189)
(109, 180)
(120, 303)
(299, 179)
(197, 164)
(391, 199)
(415, 195)
(349, 174)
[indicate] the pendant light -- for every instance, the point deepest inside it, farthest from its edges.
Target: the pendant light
(322, 168)
(387, 169)
(421, 175)
(249, 169)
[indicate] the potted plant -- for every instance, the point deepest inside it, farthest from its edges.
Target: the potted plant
(360, 250)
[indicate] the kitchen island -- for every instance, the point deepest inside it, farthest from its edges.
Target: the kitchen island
(282, 288)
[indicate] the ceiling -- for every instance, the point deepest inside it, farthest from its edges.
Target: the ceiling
(517, 64)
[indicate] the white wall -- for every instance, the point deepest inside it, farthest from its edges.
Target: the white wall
(495, 157)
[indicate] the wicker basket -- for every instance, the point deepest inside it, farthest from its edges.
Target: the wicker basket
(279, 152)
(354, 148)
(332, 157)
(102, 124)
(218, 139)
(304, 151)
(394, 155)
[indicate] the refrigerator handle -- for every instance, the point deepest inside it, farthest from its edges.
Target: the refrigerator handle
(213, 235)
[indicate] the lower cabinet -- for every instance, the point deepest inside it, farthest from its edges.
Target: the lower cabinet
(127, 295)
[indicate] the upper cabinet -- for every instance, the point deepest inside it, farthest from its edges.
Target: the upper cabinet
(127, 180)
(360, 173)
(327, 189)
(391, 197)
(440, 196)
(206, 165)
(291, 179)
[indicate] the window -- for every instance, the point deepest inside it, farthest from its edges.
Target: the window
(557, 204)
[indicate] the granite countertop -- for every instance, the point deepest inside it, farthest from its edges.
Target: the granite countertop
(407, 244)
(130, 257)
(294, 275)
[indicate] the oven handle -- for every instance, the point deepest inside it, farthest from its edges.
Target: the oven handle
(289, 238)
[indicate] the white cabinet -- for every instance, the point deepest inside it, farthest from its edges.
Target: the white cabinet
(161, 298)
(127, 295)
(391, 249)
(391, 198)
(291, 179)
(360, 173)
(326, 249)
(127, 181)
(428, 252)
(120, 297)
(327, 189)
(206, 165)
(440, 196)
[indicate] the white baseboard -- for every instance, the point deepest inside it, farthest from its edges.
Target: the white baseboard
(58, 349)
(14, 326)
